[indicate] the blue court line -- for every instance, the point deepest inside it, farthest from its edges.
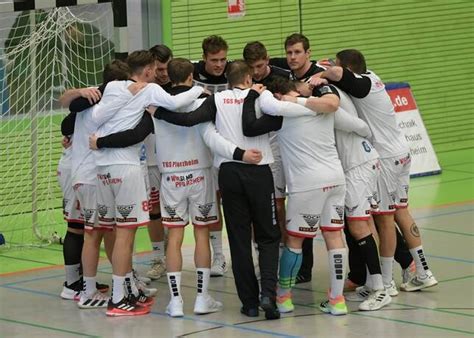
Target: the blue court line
(211, 322)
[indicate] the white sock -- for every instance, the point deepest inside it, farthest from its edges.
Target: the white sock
(118, 290)
(374, 282)
(337, 267)
(386, 264)
(130, 285)
(420, 261)
(72, 273)
(159, 249)
(90, 286)
(174, 283)
(203, 275)
(216, 242)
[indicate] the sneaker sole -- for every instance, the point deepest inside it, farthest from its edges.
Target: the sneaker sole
(336, 313)
(424, 286)
(87, 307)
(176, 315)
(125, 314)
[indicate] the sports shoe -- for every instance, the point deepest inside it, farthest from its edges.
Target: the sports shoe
(302, 279)
(418, 283)
(391, 289)
(206, 304)
(359, 295)
(97, 300)
(219, 266)
(249, 312)
(336, 306)
(141, 299)
(126, 308)
(269, 306)
(143, 279)
(157, 270)
(73, 291)
(285, 303)
(408, 273)
(376, 300)
(350, 285)
(149, 292)
(175, 307)
(102, 287)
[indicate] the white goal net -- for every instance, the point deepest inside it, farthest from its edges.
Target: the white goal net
(42, 53)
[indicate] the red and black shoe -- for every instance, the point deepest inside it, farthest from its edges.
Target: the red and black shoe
(102, 288)
(126, 308)
(141, 299)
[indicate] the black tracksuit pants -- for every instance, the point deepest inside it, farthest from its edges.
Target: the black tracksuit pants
(248, 198)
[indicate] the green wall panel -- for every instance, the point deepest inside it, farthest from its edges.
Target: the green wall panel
(429, 44)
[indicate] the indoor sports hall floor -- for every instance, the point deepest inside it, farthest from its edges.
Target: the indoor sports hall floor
(443, 205)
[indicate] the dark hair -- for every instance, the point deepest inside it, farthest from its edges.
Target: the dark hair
(179, 69)
(162, 53)
(115, 70)
(352, 59)
(236, 72)
(254, 51)
(281, 85)
(296, 38)
(139, 59)
(214, 44)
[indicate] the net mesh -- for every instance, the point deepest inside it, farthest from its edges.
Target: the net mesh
(42, 53)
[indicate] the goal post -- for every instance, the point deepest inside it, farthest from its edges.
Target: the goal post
(43, 51)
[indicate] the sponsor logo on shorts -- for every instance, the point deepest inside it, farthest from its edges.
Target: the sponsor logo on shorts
(339, 210)
(406, 187)
(337, 221)
(328, 188)
(107, 179)
(103, 211)
(403, 200)
(184, 180)
(350, 210)
(376, 197)
(204, 209)
(312, 220)
(171, 211)
(281, 190)
(88, 213)
(124, 211)
(393, 196)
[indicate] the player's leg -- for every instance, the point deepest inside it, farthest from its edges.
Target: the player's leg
(219, 265)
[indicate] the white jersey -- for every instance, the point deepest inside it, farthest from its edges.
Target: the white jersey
(83, 167)
(229, 104)
(66, 156)
(184, 149)
(352, 146)
(150, 150)
(376, 109)
(308, 149)
(119, 110)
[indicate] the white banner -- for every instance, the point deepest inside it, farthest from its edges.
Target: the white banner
(424, 160)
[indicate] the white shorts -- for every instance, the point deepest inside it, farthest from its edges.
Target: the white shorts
(361, 190)
(279, 180)
(215, 176)
(154, 177)
(189, 193)
(87, 196)
(71, 207)
(308, 210)
(121, 196)
(393, 183)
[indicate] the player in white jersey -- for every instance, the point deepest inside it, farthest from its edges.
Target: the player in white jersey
(247, 192)
(361, 165)
(316, 187)
(375, 107)
(122, 192)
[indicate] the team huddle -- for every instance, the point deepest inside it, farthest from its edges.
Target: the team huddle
(288, 145)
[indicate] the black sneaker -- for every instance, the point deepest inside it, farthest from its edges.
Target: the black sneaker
(103, 288)
(141, 299)
(125, 308)
(72, 291)
(269, 306)
(249, 312)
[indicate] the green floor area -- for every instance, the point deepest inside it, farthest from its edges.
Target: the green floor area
(454, 185)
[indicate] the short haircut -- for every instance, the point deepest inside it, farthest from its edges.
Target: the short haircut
(281, 85)
(296, 38)
(139, 59)
(254, 51)
(237, 71)
(352, 59)
(179, 70)
(162, 53)
(115, 70)
(214, 44)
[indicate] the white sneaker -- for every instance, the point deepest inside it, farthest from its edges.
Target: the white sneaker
(219, 266)
(143, 279)
(158, 269)
(175, 307)
(376, 300)
(206, 304)
(391, 289)
(408, 273)
(359, 295)
(141, 286)
(418, 283)
(97, 300)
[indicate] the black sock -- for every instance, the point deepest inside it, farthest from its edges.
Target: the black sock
(357, 271)
(402, 254)
(368, 249)
(72, 248)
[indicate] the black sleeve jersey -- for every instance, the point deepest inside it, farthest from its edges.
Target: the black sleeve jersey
(211, 82)
(82, 103)
(205, 113)
(274, 71)
(314, 69)
(252, 126)
(324, 90)
(280, 63)
(356, 85)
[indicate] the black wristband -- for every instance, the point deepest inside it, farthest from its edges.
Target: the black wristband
(238, 154)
